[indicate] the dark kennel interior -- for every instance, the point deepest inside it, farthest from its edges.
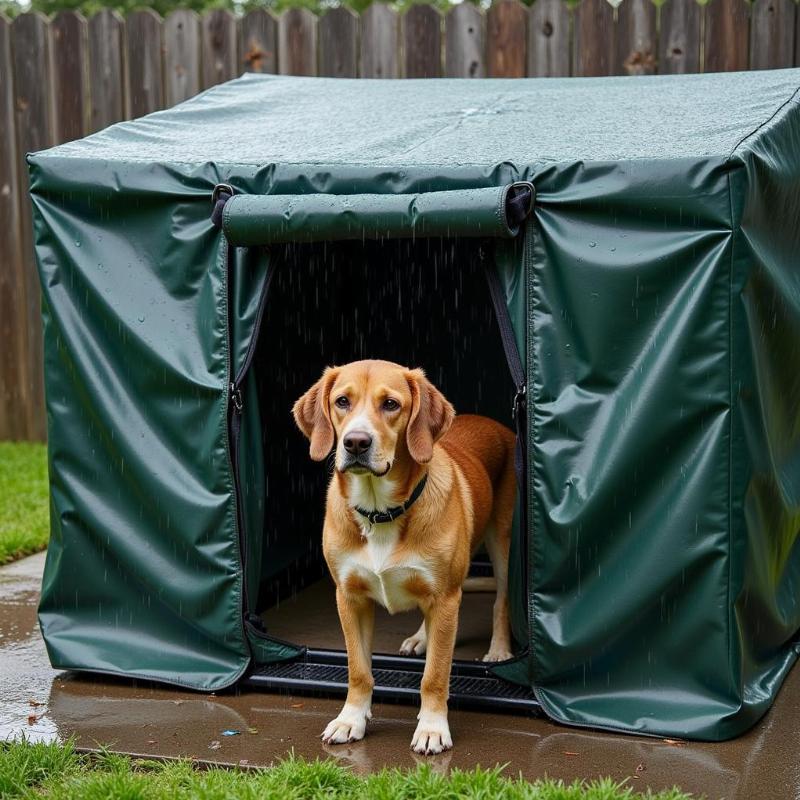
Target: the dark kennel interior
(420, 303)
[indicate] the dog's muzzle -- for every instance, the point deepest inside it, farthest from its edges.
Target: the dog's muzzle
(360, 465)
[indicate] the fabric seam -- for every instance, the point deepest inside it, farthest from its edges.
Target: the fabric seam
(763, 124)
(728, 607)
(225, 250)
(530, 419)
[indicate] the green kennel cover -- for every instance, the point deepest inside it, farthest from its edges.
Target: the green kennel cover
(655, 294)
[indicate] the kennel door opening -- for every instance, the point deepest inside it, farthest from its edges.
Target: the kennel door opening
(376, 249)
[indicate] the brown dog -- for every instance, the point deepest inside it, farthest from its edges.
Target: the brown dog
(415, 491)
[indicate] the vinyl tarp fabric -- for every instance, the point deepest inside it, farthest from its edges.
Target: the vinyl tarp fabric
(267, 219)
(657, 299)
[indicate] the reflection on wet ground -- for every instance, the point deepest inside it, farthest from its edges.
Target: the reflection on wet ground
(145, 719)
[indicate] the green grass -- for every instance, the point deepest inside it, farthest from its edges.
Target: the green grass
(24, 506)
(58, 772)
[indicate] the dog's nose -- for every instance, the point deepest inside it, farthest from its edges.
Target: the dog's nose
(357, 442)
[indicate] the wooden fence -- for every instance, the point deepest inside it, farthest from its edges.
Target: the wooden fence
(65, 77)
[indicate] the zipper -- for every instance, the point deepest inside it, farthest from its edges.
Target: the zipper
(519, 403)
(235, 406)
(235, 410)
(519, 408)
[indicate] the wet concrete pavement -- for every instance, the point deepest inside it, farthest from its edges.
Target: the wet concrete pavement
(148, 720)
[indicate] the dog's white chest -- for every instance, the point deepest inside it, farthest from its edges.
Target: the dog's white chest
(387, 574)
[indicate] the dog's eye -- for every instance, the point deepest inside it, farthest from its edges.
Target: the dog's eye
(342, 402)
(390, 405)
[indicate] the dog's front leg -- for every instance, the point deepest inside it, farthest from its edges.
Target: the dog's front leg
(357, 615)
(441, 620)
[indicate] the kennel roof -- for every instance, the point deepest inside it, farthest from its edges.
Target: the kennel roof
(263, 120)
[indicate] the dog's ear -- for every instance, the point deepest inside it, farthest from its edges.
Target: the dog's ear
(313, 417)
(431, 416)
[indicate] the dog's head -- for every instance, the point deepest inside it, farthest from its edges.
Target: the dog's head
(373, 412)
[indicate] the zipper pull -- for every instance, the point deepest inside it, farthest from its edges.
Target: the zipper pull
(519, 401)
(236, 398)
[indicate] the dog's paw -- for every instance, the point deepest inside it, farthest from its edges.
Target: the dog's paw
(415, 645)
(432, 735)
(349, 726)
(498, 654)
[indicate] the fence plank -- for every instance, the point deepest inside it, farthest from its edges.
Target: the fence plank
(143, 45)
(220, 60)
(797, 41)
(338, 43)
(727, 35)
(70, 74)
(636, 38)
(259, 41)
(181, 56)
(380, 27)
(772, 34)
(422, 42)
(679, 43)
(13, 423)
(594, 36)
(33, 105)
(465, 42)
(297, 42)
(106, 82)
(507, 32)
(548, 39)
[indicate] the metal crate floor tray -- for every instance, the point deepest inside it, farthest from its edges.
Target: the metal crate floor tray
(397, 679)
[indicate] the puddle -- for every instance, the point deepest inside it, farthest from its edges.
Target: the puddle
(144, 719)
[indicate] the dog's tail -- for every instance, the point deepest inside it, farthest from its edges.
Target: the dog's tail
(480, 585)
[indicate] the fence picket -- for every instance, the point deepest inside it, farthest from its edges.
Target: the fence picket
(259, 41)
(33, 106)
(297, 42)
(220, 59)
(797, 41)
(772, 34)
(338, 43)
(507, 26)
(71, 81)
(13, 425)
(422, 42)
(181, 56)
(106, 82)
(594, 37)
(465, 42)
(548, 39)
(679, 42)
(144, 50)
(636, 39)
(380, 29)
(727, 35)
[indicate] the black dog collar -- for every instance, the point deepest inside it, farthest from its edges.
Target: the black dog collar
(391, 514)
